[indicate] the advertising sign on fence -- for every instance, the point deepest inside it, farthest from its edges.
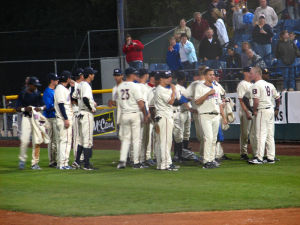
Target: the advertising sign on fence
(294, 107)
(104, 123)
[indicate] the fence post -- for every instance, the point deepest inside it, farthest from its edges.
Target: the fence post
(89, 47)
(55, 66)
(4, 117)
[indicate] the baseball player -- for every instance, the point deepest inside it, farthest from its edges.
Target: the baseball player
(78, 77)
(87, 106)
(164, 99)
(263, 93)
(131, 102)
(49, 113)
(208, 99)
(246, 120)
(29, 99)
(64, 115)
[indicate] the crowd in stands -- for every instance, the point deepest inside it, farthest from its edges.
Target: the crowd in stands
(229, 36)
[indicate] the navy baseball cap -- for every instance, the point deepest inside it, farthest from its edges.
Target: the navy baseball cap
(79, 72)
(156, 75)
(53, 76)
(142, 72)
(65, 75)
(247, 69)
(181, 75)
(165, 74)
(89, 70)
(34, 81)
(117, 72)
(152, 73)
(131, 70)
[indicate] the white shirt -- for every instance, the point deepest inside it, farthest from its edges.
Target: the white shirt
(129, 94)
(162, 97)
(243, 89)
(75, 106)
(182, 91)
(183, 56)
(212, 103)
(190, 92)
(84, 90)
(221, 31)
(145, 91)
(220, 87)
(265, 92)
(62, 95)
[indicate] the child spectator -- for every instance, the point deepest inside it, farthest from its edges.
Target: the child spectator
(173, 57)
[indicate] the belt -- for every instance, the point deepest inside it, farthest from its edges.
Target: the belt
(265, 108)
(210, 113)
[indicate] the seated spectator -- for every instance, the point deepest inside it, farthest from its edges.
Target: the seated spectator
(233, 59)
(187, 54)
(293, 39)
(270, 15)
(199, 27)
(248, 24)
(238, 25)
(220, 27)
(133, 49)
(262, 38)
(182, 29)
(254, 59)
(286, 52)
(173, 57)
(210, 50)
(291, 6)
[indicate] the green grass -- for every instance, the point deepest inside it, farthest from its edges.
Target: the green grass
(108, 191)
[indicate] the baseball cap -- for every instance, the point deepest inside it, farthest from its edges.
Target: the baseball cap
(152, 73)
(131, 70)
(165, 74)
(246, 69)
(34, 81)
(262, 16)
(117, 72)
(65, 75)
(181, 75)
(89, 70)
(156, 75)
(53, 76)
(79, 72)
(142, 72)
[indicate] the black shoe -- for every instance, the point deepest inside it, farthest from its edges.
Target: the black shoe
(208, 165)
(137, 166)
(144, 165)
(276, 159)
(121, 165)
(225, 157)
(53, 165)
(269, 161)
(218, 160)
(244, 157)
(150, 162)
(174, 166)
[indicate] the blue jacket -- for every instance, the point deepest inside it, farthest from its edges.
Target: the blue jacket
(48, 97)
(190, 52)
(173, 58)
(248, 18)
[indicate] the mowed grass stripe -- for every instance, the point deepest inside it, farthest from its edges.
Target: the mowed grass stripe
(108, 191)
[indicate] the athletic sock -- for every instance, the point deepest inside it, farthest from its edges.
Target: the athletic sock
(78, 154)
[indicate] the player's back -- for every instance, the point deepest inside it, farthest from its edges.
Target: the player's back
(128, 95)
(265, 92)
(84, 90)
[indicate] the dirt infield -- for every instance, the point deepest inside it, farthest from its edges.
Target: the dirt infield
(292, 149)
(245, 217)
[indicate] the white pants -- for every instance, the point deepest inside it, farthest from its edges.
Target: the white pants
(219, 151)
(65, 142)
(146, 141)
(54, 141)
(26, 130)
(265, 133)
(182, 126)
(150, 144)
(86, 129)
(165, 140)
(130, 128)
(210, 126)
(75, 131)
(246, 130)
(199, 132)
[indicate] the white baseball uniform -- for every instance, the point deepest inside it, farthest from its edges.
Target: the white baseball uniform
(129, 94)
(265, 92)
(246, 126)
(209, 116)
(164, 114)
(62, 95)
(153, 145)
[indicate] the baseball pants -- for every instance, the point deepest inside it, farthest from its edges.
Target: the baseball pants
(210, 127)
(165, 142)
(146, 143)
(182, 126)
(130, 128)
(26, 130)
(247, 130)
(65, 142)
(53, 144)
(76, 135)
(86, 129)
(199, 132)
(265, 133)
(150, 144)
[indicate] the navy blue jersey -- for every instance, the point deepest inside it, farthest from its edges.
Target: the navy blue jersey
(30, 99)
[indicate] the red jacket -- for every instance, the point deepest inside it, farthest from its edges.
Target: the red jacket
(134, 52)
(198, 30)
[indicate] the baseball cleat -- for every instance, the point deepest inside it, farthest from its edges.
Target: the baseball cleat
(216, 164)
(208, 165)
(121, 165)
(172, 169)
(88, 168)
(173, 166)
(68, 167)
(53, 165)
(137, 166)
(36, 167)
(75, 165)
(144, 165)
(244, 157)
(60, 167)
(21, 165)
(256, 162)
(225, 157)
(269, 161)
(150, 162)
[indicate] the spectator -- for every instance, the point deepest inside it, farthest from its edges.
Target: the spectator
(262, 38)
(210, 50)
(199, 27)
(244, 56)
(228, 14)
(248, 23)
(278, 5)
(173, 57)
(133, 49)
(255, 60)
(220, 26)
(187, 53)
(233, 60)
(291, 6)
(212, 5)
(238, 25)
(182, 29)
(286, 51)
(270, 15)
(293, 39)
(297, 9)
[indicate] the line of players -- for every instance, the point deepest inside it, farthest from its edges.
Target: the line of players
(68, 108)
(151, 115)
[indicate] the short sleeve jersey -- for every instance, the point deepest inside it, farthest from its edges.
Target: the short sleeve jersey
(162, 97)
(243, 89)
(84, 90)
(190, 92)
(62, 95)
(128, 95)
(265, 92)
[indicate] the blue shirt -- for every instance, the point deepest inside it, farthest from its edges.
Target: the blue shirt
(248, 18)
(173, 58)
(49, 102)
